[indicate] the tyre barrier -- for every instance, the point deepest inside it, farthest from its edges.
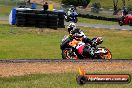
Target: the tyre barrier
(98, 17)
(52, 21)
(40, 18)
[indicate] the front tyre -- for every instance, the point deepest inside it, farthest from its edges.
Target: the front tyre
(120, 23)
(107, 55)
(66, 19)
(103, 53)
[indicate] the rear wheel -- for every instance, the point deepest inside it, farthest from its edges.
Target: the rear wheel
(75, 20)
(67, 54)
(130, 22)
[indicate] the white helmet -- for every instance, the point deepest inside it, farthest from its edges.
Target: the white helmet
(70, 9)
(71, 26)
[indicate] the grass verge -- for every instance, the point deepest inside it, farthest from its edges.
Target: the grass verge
(35, 43)
(63, 80)
(93, 21)
(5, 10)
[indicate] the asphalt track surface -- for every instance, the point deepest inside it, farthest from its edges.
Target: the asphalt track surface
(124, 27)
(61, 60)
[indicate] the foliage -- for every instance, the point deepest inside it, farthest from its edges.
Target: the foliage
(96, 7)
(83, 3)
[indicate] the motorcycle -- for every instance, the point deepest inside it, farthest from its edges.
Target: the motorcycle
(126, 20)
(78, 45)
(72, 17)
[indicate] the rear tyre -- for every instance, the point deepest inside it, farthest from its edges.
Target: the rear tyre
(67, 55)
(130, 22)
(76, 20)
(66, 20)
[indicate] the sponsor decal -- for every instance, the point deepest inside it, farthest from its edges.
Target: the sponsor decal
(102, 78)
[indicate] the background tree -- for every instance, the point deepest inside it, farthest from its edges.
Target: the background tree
(96, 7)
(28, 1)
(124, 3)
(83, 3)
(115, 4)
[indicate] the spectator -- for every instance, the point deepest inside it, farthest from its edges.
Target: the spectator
(45, 6)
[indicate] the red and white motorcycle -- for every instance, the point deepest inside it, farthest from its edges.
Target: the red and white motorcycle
(78, 45)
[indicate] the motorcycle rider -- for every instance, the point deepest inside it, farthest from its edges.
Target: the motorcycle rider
(64, 44)
(75, 33)
(124, 14)
(70, 12)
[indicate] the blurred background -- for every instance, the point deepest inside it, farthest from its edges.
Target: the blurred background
(107, 8)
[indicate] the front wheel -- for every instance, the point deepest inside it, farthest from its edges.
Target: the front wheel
(104, 53)
(66, 19)
(120, 23)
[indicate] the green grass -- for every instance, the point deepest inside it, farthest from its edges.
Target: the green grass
(5, 10)
(63, 80)
(109, 3)
(3, 22)
(30, 43)
(119, 42)
(93, 21)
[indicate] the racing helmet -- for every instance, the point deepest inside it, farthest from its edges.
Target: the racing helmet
(77, 33)
(71, 27)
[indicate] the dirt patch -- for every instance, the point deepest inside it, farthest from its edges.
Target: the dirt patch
(18, 69)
